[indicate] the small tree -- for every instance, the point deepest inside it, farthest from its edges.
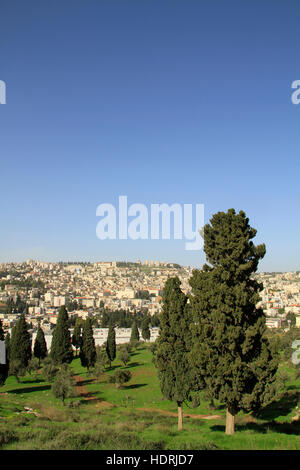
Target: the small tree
(33, 366)
(64, 384)
(292, 318)
(99, 370)
(102, 356)
(49, 370)
(124, 355)
(40, 345)
(121, 377)
(111, 344)
(17, 368)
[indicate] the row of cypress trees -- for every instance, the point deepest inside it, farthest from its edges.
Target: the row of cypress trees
(134, 337)
(19, 351)
(213, 339)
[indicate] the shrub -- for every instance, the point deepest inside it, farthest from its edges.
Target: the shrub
(98, 370)
(7, 436)
(121, 377)
(64, 383)
(49, 371)
(124, 356)
(17, 369)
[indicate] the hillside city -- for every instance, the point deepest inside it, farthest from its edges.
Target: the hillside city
(87, 289)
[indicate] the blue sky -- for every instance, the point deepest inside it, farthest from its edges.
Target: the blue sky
(160, 100)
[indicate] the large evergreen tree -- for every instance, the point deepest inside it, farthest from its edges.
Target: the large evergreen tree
(61, 348)
(7, 344)
(3, 367)
(111, 344)
(173, 345)
(20, 343)
(40, 345)
(230, 357)
(88, 353)
(2, 334)
(145, 329)
(135, 335)
(76, 338)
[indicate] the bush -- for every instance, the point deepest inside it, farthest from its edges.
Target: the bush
(33, 366)
(195, 401)
(17, 369)
(124, 356)
(49, 371)
(121, 377)
(111, 379)
(98, 370)
(7, 436)
(101, 356)
(64, 383)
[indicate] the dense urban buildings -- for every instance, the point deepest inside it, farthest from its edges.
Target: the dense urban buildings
(88, 289)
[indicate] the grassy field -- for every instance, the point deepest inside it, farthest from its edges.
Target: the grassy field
(135, 416)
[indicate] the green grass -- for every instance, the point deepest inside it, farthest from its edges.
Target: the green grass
(127, 424)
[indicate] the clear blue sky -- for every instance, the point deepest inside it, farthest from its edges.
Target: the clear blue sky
(183, 101)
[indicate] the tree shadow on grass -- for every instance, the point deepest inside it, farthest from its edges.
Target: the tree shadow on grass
(109, 369)
(90, 397)
(84, 382)
(30, 389)
(263, 428)
(28, 381)
(132, 364)
(128, 387)
(281, 407)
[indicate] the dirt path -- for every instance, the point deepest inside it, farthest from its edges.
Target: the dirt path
(185, 415)
(83, 392)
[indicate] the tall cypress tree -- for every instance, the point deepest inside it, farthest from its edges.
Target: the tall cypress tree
(2, 334)
(135, 335)
(230, 356)
(88, 353)
(7, 344)
(40, 345)
(173, 346)
(20, 344)
(3, 367)
(76, 338)
(111, 344)
(61, 348)
(145, 329)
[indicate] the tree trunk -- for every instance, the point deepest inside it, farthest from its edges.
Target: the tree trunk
(179, 416)
(212, 404)
(229, 422)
